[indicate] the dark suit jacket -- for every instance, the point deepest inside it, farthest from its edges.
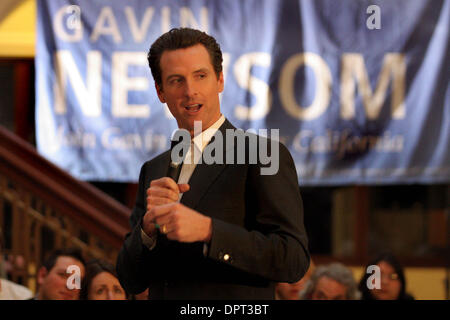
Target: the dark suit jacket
(258, 236)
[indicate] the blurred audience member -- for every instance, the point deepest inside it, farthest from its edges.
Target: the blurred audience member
(291, 291)
(331, 282)
(392, 282)
(53, 276)
(101, 282)
(10, 290)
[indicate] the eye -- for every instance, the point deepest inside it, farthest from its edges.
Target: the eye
(393, 276)
(175, 81)
(99, 291)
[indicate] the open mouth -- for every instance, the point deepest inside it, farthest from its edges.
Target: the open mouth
(193, 107)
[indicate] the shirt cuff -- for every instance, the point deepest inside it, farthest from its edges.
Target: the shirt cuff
(149, 242)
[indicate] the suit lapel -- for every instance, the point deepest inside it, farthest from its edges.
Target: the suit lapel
(159, 168)
(205, 174)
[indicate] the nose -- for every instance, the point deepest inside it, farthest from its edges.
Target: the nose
(190, 88)
(110, 295)
(384, 281)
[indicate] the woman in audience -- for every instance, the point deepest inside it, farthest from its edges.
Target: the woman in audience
(101, 282)
(392, 280)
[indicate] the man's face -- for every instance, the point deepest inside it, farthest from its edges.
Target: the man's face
(53, 283)
(329, 289)
(190, 86)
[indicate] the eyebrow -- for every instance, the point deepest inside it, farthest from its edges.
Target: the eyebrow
(102, 286)
(175, 75)
(201, 70)
(338, 296)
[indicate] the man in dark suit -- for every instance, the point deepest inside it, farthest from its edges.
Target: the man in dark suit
(222, 230)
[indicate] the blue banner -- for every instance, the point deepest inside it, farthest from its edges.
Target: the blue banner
(359, 89)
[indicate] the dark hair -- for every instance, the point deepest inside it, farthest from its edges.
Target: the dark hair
(75, 253)
(392, 261)
(180, 38)
(93, 268)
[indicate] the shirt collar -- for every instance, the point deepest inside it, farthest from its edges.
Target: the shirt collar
(202, 139)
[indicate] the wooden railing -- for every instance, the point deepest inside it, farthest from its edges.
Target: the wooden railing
(43, 208)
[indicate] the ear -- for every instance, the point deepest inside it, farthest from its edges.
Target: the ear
(160, 93)
(41, 274)
(221, 82)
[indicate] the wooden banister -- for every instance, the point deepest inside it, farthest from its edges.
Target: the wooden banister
(93, 210)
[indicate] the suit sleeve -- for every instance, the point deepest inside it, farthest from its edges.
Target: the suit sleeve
(275, 246)
(134, 265)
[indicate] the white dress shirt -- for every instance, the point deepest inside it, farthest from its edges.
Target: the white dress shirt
(198, 144)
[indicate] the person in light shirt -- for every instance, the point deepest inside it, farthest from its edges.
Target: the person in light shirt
(8, 289)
